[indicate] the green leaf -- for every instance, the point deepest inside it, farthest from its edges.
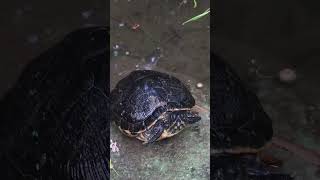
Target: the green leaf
(197, 17)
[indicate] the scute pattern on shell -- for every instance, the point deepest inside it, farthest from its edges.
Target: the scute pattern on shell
(55, 120)
(141, 97)
(238, 119)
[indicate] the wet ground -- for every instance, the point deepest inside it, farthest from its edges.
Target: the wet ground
(138, 28)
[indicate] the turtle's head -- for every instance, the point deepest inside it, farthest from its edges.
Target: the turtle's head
(179, 119)
(187, 116)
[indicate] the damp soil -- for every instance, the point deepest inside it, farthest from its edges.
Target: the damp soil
(138, 28)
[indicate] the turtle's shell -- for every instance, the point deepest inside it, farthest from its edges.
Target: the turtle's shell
(141, 97)
(238, 121)
(55, 120)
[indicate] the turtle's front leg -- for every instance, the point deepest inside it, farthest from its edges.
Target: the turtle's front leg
(153, 133)
(177, 121)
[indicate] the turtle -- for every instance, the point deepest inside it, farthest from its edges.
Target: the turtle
(55, 118)
(240, 128)
(151, 105)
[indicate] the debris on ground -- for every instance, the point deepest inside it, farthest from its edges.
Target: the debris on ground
(113, 146)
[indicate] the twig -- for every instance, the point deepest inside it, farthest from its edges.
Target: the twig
(111, 167)
(195, 4)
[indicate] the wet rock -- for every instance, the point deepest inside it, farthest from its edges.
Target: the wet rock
(287, 75)
(199, 85)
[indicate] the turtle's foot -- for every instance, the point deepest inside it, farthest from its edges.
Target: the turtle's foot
(153, 133)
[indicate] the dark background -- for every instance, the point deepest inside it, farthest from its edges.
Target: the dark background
(277, 35)
(287, 30)
(30, 27)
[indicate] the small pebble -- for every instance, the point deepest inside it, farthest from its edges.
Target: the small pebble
(199, 85)
(115, 53)
(116, 46)
(121, 24)
(287, 75)
(127, 53)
